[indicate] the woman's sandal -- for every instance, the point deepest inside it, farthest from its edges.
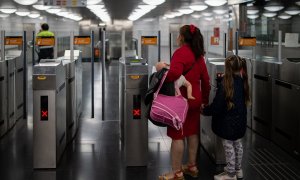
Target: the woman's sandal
(190, 170)
(178, 175)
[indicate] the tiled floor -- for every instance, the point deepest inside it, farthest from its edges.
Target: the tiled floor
(96, 151)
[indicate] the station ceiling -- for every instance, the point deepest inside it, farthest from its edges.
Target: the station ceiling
(121, 9)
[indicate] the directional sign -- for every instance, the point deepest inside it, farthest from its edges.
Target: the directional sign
(66, 3)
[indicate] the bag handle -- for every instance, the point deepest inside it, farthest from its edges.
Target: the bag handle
(162, 82)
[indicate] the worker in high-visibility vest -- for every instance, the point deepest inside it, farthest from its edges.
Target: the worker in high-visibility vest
(45, 52)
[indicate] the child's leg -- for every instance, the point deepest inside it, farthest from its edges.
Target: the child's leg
(238, 148)
(230, 157)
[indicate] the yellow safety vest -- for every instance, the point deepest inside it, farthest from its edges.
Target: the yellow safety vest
(45, 34)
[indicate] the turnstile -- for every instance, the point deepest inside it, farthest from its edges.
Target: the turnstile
(3, 98)
(78, 75)
(19, 88)
(49, 113)
(262, 96)
(211, 143)
(10, 64)
(70, 98)
(286, 103)
(134, 125)
(73, 91)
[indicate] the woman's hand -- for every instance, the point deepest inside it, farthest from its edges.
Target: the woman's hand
(202, 107)
(161, 65)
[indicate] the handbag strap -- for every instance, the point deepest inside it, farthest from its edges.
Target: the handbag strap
(161, 83)
(185, 72)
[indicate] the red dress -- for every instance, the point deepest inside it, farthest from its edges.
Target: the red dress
(183, 58)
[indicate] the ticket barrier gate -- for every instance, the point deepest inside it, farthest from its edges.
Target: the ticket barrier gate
(211, 143)
(49, 113)
(73, 89)
(10, 64)
(19, 88)
(285, 106)
(3, 98)
(263, 73)
(134, 125)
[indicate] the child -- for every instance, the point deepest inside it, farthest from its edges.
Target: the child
(229, 114)
(181, 81)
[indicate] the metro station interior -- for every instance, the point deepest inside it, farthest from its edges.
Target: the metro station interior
(79, 113)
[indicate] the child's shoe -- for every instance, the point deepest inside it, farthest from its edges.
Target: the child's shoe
(224, 176)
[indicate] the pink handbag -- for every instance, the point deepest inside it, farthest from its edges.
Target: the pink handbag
(169, 110)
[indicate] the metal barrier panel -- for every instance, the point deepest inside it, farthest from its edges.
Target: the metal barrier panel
(10, 62)
(49, 113)
(133, 122)
(262, 97)
(3, 98)
(285, 106)
(73, 98)
(209, 141)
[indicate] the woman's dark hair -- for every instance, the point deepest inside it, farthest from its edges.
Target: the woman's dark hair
(193, 37)
(45, 27)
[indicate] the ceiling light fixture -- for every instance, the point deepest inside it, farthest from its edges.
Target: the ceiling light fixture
(186, 10)
(26, 2)
(252, 16)
(154, 2)
(219, 11)
(8, 10)
(177, 13)
(22, 12)
(196, 16)
(252, 10)
(34, 15)
(274, 6)
(92, 2)
(53, 10)
(207, 14)
(2, 15)
(284, 16)
(292, 10)
(41, 7)
(208, 18)
(269, 14)
(215, 2)
(198, 6)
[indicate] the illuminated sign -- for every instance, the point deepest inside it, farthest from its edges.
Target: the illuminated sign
(67, 3)
(214, 40)
(247, 41)
(217, 32)
(149, 40)
(14, 40)
(44, 108)
(82, 40)
(45, 41)
(136, 112)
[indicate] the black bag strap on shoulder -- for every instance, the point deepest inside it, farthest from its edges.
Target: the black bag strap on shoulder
(185, 72)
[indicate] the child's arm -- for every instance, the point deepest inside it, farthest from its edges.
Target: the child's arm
(218, 106)
(188, 86)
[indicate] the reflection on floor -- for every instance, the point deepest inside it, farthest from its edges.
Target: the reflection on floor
(96, 154)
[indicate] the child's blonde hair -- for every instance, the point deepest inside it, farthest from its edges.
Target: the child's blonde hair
(235, 65)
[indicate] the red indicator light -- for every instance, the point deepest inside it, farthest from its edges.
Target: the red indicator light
(136, 112)
(44, 114)
(44, 108)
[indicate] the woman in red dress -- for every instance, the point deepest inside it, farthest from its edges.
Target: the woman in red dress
(190, 53)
